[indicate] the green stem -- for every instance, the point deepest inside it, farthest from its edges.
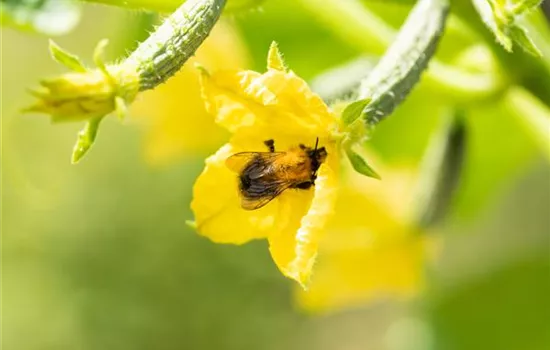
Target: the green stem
(167, 6)
(362, 29)
(440, 171)
(353, 22)
(532, 114)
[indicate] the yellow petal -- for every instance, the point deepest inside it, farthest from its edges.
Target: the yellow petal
(225, 98)
(294, 247)
(276, 99)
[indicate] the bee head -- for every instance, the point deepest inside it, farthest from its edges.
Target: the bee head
(317, 155)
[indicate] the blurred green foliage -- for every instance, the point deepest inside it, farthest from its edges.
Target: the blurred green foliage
(53, 17)
(98, 256)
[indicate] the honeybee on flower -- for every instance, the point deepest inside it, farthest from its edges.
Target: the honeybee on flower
(265, 175)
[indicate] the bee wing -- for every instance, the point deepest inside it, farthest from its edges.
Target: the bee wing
(259, 194)
(238, 161)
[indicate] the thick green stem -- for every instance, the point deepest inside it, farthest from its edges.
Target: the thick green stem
(175, 41)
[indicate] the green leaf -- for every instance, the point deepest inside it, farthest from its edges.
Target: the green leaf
(525, 5)
(85, 139)
(354, 111)
(192, 224)
(492, 14)
(120, 107)
(501, 19)
(520, 37)
(66, 58)
(51, 17)
(99, 55)
(360, 165)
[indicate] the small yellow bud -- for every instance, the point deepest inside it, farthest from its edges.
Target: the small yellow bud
(79, 96)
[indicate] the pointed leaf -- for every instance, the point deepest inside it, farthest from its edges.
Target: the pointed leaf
(120, 107)
(66, 58)
(274, 58)
(99, 55)
(360, 165)
(520, 37)
(354, 111)
(192, 224)
(526, 5)
(493, 15)
(85, 139)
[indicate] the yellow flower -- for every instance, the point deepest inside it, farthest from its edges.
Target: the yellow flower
(173, 115)
(256, 107)
(373, 249)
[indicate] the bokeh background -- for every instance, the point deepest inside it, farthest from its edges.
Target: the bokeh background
(98, 255)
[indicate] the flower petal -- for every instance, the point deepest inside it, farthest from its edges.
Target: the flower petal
(225, 97)
(294, 247)
(276, 99)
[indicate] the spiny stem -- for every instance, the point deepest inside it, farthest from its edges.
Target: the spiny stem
(170, 46)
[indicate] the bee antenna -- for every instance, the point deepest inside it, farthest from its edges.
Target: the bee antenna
(316, 144)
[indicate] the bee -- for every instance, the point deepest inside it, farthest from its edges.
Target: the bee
(265, 175)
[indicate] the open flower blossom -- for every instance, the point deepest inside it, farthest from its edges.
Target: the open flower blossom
(256, 107)
(373, 249)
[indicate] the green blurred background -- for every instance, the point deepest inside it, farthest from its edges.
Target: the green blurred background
(98, 256)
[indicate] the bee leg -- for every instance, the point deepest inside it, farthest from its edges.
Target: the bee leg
(302, 147)
(304, 185)
(270, 144)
